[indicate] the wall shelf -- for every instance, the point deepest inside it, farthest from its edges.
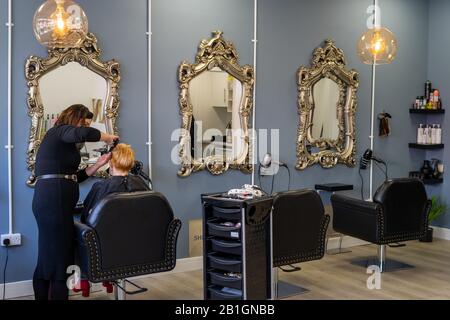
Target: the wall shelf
(433, 181)
(426, 146)
(426, 111)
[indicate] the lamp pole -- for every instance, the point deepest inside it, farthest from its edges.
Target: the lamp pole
(372, 114)
(372, 125)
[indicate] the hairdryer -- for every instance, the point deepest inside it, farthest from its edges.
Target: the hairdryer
(267, 161)
(367, 157)
(137, 170)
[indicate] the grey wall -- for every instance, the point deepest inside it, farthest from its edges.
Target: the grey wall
(3, 127)
(438, 73)
(289, 31)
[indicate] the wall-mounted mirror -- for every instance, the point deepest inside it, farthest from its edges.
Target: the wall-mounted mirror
(67, 77)
(216, 100)
(327, 105)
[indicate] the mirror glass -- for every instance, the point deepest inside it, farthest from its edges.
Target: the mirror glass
(216, 127)
(325, 122)
(74, 84)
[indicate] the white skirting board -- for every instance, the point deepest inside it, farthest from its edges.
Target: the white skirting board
(441, 233)
(25, 288)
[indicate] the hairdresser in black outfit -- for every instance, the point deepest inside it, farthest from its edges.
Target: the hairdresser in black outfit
(56, 195)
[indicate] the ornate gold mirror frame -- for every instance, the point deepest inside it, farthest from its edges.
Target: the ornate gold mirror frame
(87, 55)
(216, 52)
(328, 62)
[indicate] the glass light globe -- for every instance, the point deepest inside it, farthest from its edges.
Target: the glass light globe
(60, 24)
(377, 46)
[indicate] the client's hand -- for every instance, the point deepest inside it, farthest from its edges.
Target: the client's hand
(90, 171)
(103, 160)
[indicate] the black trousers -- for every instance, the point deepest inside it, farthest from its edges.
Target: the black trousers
(53, 206)
(50, 290)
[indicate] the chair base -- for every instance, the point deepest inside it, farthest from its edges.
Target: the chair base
(339, 250)
(388, 266)
(286, 290)
(333, 252)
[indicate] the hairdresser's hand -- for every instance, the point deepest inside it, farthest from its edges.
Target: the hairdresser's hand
(109, 138)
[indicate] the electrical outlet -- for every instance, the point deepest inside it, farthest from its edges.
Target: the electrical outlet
(14, 239)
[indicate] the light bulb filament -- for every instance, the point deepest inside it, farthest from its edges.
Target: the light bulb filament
(378, 44)
(60, 18)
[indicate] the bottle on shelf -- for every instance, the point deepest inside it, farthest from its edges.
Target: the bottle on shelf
(417, 103)
(436, 99)
(433, 134)
(47, 123)
(428, 90)
(425, 135)
(53, 120)
(420, 134)
(438, 134)
(424, 103)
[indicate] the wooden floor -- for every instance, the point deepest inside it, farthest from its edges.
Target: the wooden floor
(334, 277)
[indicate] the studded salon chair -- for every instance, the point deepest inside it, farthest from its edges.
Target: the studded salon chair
(398, 213)
(127, 235)
(299, 230)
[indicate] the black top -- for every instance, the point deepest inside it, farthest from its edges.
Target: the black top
(58, 153)
(115, 184)
(55, 199)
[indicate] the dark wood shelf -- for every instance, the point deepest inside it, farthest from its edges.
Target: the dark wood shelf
(426, 146)
(334, 187)
(427, 111)
(433, 181)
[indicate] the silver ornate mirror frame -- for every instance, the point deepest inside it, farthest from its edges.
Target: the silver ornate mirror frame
(216, 52)
(87, 55)
(328, 62)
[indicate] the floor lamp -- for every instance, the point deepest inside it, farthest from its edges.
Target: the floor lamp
(376, 46)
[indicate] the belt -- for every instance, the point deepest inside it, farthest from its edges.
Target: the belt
(71, 177)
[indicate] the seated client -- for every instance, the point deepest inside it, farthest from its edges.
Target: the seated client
(122, 161)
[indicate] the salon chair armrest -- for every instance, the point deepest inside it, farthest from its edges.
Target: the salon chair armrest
(356, 218)
(171, 244)
(81, 231)
(85, 238)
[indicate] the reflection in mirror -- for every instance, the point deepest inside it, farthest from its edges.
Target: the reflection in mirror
(66, 77)
(74, 84)
(325, 122)
(215, 97)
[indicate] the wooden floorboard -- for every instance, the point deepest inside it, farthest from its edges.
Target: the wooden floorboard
(333, 278)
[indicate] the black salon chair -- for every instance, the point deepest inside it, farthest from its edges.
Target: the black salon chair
(299, 233)
(398, 213)
(127, 235)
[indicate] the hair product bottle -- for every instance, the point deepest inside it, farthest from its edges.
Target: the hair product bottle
(438, 134)
(433, 134)
(420, 134)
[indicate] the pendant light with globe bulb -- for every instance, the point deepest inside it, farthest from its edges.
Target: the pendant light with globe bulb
(60, 24)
